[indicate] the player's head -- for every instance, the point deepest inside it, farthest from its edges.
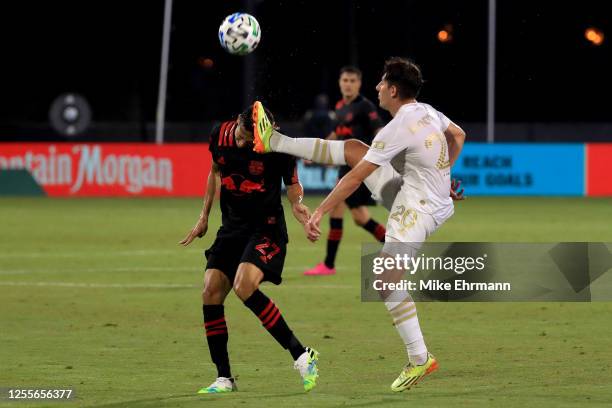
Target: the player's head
(245, 122)
(350, 81)
(401, 81)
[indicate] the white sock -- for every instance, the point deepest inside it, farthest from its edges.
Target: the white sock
(403, 311)
(318, 150)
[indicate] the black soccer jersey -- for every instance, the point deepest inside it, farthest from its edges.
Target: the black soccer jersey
(358, 119)
(251, 184)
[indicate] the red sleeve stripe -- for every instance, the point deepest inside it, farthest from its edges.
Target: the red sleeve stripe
(230, 134)
(224, 135)
(221, 133)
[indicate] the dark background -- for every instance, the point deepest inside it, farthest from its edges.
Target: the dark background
(550, 79)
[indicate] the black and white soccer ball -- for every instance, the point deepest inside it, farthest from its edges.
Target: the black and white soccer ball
(239, 34)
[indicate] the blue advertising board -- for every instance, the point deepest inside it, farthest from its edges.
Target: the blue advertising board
(496, 169)
(521, 169)
(317, 178)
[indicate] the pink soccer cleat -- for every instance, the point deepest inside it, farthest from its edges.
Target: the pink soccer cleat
(320, 269)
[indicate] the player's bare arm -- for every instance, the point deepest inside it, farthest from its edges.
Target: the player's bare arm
(295, 194)
(455, 138)
(345, 187)
(201, 226)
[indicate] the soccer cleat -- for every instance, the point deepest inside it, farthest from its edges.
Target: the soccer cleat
(306, 364)
(412, 374)
(221, 385)
(320, 269)
(262, 129)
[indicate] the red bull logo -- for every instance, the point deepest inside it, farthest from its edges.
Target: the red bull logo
(238, 185)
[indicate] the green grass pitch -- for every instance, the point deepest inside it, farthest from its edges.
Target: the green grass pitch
(97, 295)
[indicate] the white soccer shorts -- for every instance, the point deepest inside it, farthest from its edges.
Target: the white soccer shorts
(405, 223)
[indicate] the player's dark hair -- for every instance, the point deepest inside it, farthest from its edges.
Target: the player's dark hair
(246, 118)
(405, 75)
(350, 69)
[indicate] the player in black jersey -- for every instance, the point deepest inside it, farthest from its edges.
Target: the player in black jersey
(251, 244)
(356, 118)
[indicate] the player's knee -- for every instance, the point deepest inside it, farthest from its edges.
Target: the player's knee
(212, 293)
(360, 216)
(354, 150)
(359, 219)
(244, 287)
(215, 289)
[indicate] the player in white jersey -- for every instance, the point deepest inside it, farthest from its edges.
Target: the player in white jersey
(407, 167)
(415, 145)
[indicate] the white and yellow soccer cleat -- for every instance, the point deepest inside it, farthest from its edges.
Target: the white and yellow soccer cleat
(221, 385)
(306, 364)
(412, 374)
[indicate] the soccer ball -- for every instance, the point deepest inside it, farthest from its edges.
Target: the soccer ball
(239, 33)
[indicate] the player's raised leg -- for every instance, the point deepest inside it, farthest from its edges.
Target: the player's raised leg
(246, 286)
(384, 183)
(216, 288)
(267, 139)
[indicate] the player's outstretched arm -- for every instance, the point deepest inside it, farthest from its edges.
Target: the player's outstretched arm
(345, 187)
(201, 226)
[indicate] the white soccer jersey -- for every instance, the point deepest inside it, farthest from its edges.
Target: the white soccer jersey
(415, 145)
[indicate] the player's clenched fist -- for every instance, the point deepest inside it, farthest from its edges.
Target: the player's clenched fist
(313, 231)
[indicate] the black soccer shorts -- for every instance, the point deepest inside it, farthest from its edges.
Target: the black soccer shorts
(230, 249)
(362, 196)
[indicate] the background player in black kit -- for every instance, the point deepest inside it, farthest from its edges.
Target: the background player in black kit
(356, 118)
(250, 245)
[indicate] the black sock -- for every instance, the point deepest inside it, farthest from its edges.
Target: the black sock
(376, 229)
(272, 319)
(216, 335)
(333, 241)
